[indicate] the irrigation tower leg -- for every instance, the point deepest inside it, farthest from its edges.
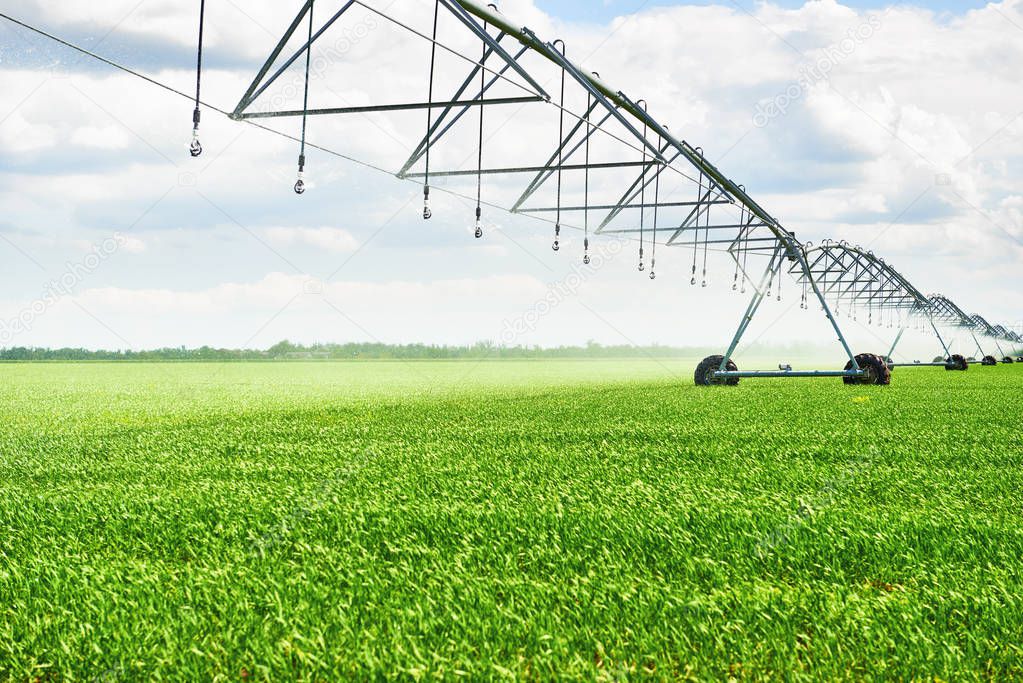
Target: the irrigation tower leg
(902, 331)
(798, 253)
(948, 353)
(980, 349)
(754, 304)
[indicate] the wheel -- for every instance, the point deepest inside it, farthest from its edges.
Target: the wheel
(1008, 360)
(1020, 359)
(989, 360)
(940, 359)
(876, 371)
(957, 362)
(708, 366)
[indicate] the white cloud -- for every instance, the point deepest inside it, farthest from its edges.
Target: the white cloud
(926, 97)
(329, 239)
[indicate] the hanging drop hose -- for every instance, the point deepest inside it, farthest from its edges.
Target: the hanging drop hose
(805, 305)
(561, 148)
(742, 230)
(479, 159)
(586, 189)
(642, 190)
(657, 206)
(195, 149)
(696, 238)
(745, 259)
(706, 244)
(300, 183)
(427, 213)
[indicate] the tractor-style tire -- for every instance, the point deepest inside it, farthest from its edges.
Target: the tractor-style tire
(989, 361)
(957, 362)
(712, 364)
(877, 371)
(1008, 360)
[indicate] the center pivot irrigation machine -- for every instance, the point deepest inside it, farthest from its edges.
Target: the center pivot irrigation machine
(575, 152)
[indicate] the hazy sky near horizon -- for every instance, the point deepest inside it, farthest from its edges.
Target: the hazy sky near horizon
(111, 236)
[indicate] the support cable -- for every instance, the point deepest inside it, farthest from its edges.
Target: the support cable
(427, 213)
(300, 183)
(195, 149)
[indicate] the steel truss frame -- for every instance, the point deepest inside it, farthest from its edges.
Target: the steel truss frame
(833, 272)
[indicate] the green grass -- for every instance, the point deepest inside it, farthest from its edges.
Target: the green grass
(529, 519)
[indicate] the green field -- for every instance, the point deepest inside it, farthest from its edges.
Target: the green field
(591, 519)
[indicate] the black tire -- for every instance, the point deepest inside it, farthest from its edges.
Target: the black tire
(1020, 359)
(989, 360)
(1008, 360)
(712, 364)
(877, 371)
(957, 362)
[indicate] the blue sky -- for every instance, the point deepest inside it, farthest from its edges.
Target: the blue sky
(220, 251)
(603, 10)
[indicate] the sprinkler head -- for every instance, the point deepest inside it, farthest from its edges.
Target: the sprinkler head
(427, 213)
(653, 275)
(479, 229)
(300, 184)
(693, 281)
(556, 246)
(195, 149)
(641, 266)
(586, 260)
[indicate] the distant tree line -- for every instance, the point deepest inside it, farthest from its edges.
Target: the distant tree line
(286, 350)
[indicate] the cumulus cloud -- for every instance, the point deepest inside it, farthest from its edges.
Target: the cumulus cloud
(329, 239)
(910, 140)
